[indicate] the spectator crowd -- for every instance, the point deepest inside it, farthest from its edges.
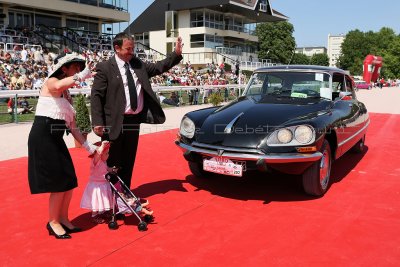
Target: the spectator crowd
(26, 67)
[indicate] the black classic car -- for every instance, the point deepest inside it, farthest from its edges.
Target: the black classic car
(294, 119)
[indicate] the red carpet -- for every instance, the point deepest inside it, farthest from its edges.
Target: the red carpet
(223, 221)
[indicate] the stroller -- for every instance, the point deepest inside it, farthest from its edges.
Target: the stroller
(126, 202)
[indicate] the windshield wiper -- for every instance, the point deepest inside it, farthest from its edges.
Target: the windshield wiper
(278, 92)
(315, 96)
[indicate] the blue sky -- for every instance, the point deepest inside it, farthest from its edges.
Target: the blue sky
(313, 20)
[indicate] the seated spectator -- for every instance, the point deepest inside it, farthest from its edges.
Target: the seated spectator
(3, 81)
(17, 81)
(37, 81)
(24, 104)
(174, 97)
(28, 82)
(167, 101)
(8, 58)
(11, 107)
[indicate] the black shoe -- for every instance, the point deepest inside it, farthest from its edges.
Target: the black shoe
(51, 232)
(73, 230)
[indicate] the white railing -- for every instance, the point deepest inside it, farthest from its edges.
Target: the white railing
(30, 46)
(87, 89)
(248, 65)
(204, 89)
(14, 46)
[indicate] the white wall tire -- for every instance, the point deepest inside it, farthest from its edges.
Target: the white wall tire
(316, 178)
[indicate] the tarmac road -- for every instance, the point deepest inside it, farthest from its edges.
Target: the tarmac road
(14, 137)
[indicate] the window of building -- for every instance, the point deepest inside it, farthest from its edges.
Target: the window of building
(82, 25)
(20, 19)
(220, 21)
(238, 25)
(214, 20)
(47, 20)
(171, 24)
(196, 40)
(213, 41)
(196, 19)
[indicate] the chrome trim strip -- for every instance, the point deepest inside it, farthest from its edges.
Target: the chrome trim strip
(271, 158)
(236, 149)
(354, 135)
(228, 128)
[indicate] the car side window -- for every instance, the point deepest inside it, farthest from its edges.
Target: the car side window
(350, 86)
(256, 84)
(338, 84)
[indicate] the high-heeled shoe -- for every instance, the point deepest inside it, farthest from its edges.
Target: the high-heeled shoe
(69, 230)
(51, 232)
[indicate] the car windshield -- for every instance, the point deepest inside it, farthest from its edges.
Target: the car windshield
(291, 84)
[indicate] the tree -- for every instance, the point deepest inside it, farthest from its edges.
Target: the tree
(357, 45)
(385, 38)
(276, 41)
(354, 46)
(320, 59)
(392, 60)
(82, 115)
(300, 59)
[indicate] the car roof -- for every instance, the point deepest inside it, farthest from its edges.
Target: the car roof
(301, 67)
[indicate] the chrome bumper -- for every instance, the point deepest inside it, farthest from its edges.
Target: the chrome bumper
(214, 151)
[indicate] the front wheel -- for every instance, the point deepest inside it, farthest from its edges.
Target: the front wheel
(317, 177)
(359, 147)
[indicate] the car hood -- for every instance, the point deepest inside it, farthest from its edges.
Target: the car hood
(250, 121)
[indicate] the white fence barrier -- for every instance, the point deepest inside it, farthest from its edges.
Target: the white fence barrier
(15, 94)
(86, 90)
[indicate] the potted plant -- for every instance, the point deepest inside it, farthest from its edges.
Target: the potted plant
(82, 117)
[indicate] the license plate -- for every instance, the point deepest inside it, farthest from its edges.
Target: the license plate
(222, 166)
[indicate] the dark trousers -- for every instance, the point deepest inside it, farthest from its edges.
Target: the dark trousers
(123, 149)
(169, 102)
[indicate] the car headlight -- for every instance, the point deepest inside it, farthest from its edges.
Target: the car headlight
(284, 135)
(187, 127)
(292, 136)
(303, 134)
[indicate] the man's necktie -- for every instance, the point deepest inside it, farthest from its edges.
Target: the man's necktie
(131, 86)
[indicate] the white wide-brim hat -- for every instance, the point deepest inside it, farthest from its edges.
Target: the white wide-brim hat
(68, 58)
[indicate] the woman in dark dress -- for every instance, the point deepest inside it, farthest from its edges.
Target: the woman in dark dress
(50, 167)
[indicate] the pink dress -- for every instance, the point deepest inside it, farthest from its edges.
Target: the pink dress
(97, 195)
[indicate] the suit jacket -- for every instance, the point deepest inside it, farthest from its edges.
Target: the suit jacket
(108, 97)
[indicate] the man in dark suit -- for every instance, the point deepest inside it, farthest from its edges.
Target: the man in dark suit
(122, 98)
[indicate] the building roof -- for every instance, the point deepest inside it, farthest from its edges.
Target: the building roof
(153, 18)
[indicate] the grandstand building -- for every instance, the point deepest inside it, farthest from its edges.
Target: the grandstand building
(56, 24)
(212, 30)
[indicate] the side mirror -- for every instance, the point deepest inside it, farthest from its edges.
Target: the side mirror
(345, 96)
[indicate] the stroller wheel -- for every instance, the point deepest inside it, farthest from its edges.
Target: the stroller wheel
(112, 225)
(142, 226)
(148, 218)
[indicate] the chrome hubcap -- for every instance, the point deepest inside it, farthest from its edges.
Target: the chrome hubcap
(324, 169)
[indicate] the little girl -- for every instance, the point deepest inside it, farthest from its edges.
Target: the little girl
(97, 196)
